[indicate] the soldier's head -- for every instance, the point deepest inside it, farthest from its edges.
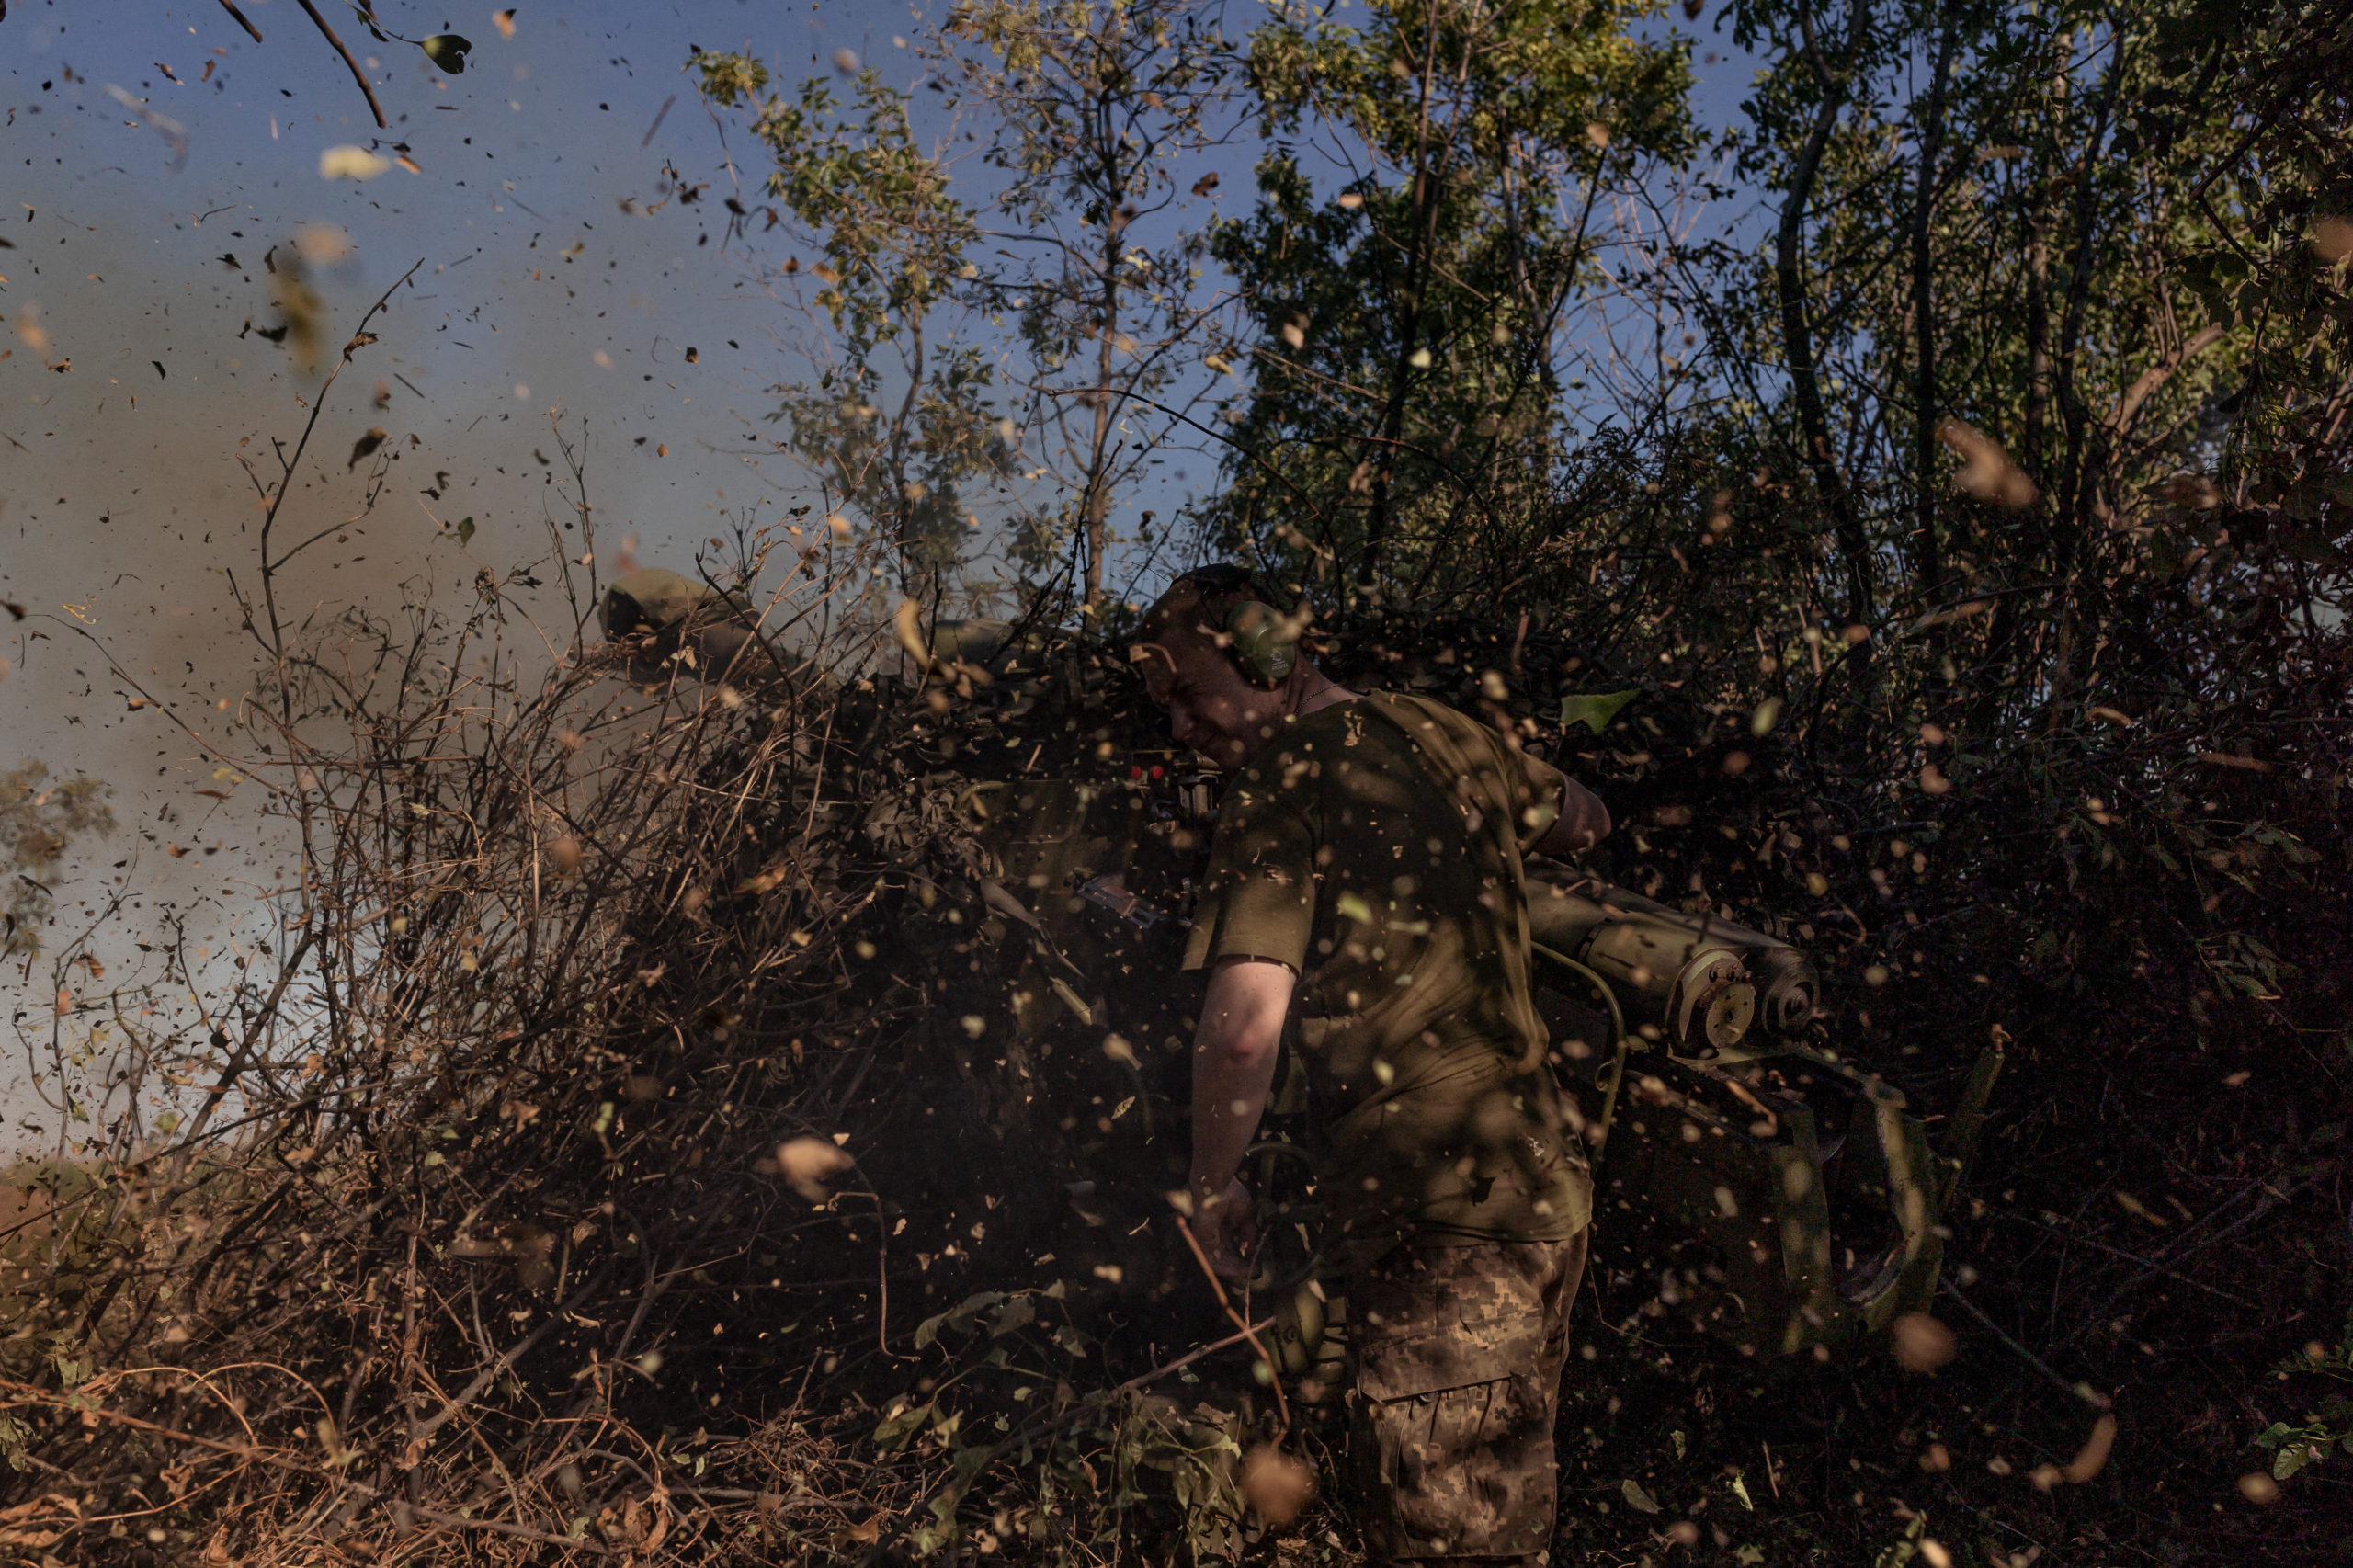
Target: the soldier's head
(1223, 662)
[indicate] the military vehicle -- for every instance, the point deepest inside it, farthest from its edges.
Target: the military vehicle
(1783, 1198)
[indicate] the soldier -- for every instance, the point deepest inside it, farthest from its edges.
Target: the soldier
(1365, 889)
(658, 618)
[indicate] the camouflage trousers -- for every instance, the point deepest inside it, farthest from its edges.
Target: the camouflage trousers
(1456, 1352)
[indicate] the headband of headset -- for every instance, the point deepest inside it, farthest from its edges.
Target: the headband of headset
(1258, 636)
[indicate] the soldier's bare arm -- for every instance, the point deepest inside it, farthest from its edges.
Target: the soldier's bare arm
(1233, 1067)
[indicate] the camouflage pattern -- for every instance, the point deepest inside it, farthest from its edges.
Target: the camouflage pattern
(1456, 1353)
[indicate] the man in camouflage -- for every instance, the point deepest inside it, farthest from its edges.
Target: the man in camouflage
(1365, 895)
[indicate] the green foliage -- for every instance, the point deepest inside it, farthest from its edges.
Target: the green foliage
(38, 822)
(1593, 710)
(2295, 1446)
(1092, 1474)
(894, 239)
(1407, 331)
(1092, 110)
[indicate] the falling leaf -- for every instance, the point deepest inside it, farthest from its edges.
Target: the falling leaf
(170, 130)
(807, 1162)
(1295, 334)
(365, 447)
(448, 50)
(661, 450)
(411, 165)
(2092, 1457)
(2116, 716)
(694, 356)
(1986, 470)
(846, 61)
(1593, 710)
(348, 162)
(1276, 1483)
(1636, 1498)
(2192, 490)
(1597, 134)
(1921, 1342)
(465, 532)
(1932, 779)
(504, 22)
(907, 624)
(1351, 201)
(161, 374)
(1692, 9)
(1768, 715)
(563, 854)
(2258, 1488)
(1206, 183)
(2332, 239)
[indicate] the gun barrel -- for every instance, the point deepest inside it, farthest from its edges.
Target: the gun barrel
(1699, 980)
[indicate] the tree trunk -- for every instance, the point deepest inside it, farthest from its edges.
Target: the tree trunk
(2084, 448)
(1797, 337)
(910, 574)
(1391, 428)
(1927, 565)
(1094, 510)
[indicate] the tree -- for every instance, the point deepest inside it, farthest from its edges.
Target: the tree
(1405, 332)
(896, 423)
(1992, 219)
(1092, 108)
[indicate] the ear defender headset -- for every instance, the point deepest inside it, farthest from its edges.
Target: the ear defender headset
(1258, 637)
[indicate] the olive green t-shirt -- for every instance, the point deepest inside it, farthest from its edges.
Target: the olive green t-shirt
(1375, 849)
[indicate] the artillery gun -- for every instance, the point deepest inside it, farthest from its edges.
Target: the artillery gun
(1784, 1198)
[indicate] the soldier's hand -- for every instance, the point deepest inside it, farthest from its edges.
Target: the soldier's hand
(1227, 1228)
